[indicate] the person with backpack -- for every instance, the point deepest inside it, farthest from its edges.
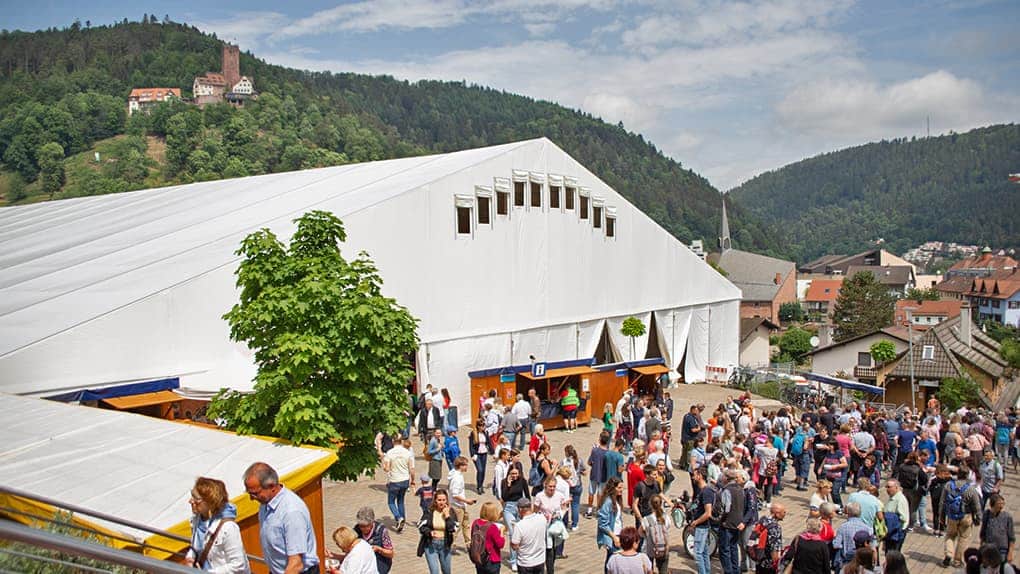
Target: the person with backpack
(731, 511)
(487, 539)
(542, 469)
(766, 466)
(962, 505)
(766, 544)
(801, 455)
(655, 531)
(914, 482)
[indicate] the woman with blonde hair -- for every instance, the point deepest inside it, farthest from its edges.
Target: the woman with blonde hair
(359, 557)
(216, 539)
(488, 522)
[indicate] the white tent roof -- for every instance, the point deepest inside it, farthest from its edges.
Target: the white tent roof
(130, 466)
(109, 289)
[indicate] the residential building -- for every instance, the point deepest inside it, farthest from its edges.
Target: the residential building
(982, 265)
(209, 89)
(925, 314)
(954, 287)
(897, 278)
(953, 348)
(820, 298)
(840, 264)
(851, 358)
(766, 282)
(997, 297)
(754, 341)
(142, 98)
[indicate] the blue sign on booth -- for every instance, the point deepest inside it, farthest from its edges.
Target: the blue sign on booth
(538, 370)
(507, 378)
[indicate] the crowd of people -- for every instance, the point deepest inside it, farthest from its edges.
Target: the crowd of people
(879, 479)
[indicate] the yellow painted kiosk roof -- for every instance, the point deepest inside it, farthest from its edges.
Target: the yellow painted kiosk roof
(651, 369)
(143, 400)
(131, 466)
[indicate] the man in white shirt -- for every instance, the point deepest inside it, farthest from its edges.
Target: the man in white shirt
(398, 464)
(522, 409)
(528, 539)
(458, 499)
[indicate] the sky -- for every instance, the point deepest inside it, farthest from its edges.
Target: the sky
(729, 89)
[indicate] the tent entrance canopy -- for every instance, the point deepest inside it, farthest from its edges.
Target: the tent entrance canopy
(845, 384)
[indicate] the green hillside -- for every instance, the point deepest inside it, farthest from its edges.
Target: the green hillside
(948, 188)
(69, 87)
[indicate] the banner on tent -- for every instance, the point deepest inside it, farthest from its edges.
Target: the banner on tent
(715, 374)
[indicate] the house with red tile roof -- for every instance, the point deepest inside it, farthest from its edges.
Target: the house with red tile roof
(925, 314)
(820, 298)
(141, 98)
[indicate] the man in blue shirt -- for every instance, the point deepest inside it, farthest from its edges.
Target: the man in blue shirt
(286, 534)
(905, 440)
(614, 462)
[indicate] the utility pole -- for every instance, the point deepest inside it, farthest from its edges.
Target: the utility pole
(910, 338)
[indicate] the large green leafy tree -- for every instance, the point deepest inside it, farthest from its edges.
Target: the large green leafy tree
(864, 305)
(332, 351)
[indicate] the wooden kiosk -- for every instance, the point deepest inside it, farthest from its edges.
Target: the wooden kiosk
(595, 385)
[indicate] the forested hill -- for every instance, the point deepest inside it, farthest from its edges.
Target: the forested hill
(949, 188)
(69, 87)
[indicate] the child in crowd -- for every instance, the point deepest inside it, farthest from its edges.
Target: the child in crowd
(424, 494)
(451, 446)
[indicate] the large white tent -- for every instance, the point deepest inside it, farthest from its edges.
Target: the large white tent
(108, 290)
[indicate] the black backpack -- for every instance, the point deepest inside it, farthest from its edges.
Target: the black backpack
(909, 476)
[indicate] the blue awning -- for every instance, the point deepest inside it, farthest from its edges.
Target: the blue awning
(117, 391)
(845, 384)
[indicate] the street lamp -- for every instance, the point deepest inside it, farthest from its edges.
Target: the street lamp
(910, 342)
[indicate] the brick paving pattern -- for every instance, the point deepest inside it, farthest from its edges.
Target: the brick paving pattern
(342, 500)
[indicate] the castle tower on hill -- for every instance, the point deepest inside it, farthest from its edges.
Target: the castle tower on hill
(231, 65)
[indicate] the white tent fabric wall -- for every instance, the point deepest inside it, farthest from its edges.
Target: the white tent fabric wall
(134, 286)
(724, 345)
(630, 350)
(588, 335)
(697, 345)
(450, 361)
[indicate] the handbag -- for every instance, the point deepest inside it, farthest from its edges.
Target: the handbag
(208, 546)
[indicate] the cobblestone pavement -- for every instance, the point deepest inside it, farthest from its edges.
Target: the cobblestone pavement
(342, 500)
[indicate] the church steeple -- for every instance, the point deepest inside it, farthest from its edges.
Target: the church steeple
(724, 230)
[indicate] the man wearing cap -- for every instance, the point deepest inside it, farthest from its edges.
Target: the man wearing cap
(285, 526)
(843, 543)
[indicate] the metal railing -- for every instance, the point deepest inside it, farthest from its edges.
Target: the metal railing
(71, 545)
(50, 519)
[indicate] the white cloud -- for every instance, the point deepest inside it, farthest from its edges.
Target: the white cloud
(371, 15)
(246, 29)
(714, 22)
(864, 109)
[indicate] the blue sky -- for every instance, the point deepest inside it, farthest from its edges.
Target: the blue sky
(730, 89)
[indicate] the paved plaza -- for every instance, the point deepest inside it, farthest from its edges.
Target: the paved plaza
(342, 500)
